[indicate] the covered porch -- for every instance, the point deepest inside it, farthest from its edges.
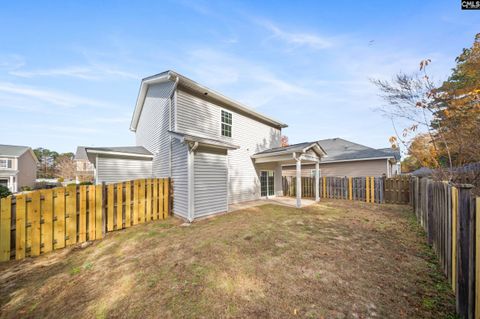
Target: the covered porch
(297, 154)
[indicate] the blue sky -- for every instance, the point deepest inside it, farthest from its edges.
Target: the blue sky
(70, 70)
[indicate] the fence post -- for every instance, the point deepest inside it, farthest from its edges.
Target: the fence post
(465, 252)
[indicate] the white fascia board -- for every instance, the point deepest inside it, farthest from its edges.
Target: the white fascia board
(358, 160)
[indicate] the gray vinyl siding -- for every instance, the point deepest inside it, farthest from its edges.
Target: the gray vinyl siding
(180, 178)
(196, 115)
(27, 170)
(153, 124)
(210, 182)
(115, 169)
(350, 169)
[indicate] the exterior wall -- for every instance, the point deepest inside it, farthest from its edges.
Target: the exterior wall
(199, 116)
(119, 169)
(27, 170)
(353, 169)
(10, 174)
(153, 124)
(210, 182)
(180, 178)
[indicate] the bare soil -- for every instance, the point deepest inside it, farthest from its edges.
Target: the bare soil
(336, 259)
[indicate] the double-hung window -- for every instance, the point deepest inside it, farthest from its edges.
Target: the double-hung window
(226, 124)
(5, 163)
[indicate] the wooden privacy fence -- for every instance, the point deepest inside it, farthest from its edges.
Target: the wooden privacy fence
(450, 216)
(395, 190)
(37, 222)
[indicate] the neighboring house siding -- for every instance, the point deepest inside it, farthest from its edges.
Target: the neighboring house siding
(27, 170)
(210, 187)
(115, 169)
(353, 168)
(180, 178)
(196, 115)
(153, 125)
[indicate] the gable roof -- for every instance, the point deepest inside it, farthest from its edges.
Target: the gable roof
(339, 149)
(294, 148)
(16, 150)
(81, 153)
(186, 82)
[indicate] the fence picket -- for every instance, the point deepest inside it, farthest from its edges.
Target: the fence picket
(91, 212)
(20, 226)
(47, 216)
(34, 219)
(5, 225)
(82, 215)
(110, 206)
(128, 204)
(99, 211)
(71, 216)
(119, 215)
(59, 216)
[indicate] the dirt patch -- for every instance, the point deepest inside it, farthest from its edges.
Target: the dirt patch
(336, 259)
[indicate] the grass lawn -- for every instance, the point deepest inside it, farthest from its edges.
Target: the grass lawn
(336, 259)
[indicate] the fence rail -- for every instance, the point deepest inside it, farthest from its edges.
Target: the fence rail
(37, 222)
(395, 190)
(450, 216)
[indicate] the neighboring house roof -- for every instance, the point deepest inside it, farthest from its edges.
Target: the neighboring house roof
(203, 140)
(339, 149)
(300, 147)
(81, 153)
(134, 151)
(15, 151)
(186, 82)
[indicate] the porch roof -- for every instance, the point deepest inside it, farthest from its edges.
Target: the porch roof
(291, 152)
(183, 137)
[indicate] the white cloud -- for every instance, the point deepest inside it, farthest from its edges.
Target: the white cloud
(251, 83)
(61, 99)
(11, 61)
(298, 39)
(89, 72)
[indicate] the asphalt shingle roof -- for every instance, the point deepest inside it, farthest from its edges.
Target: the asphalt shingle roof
(12, 150)
(339, 149)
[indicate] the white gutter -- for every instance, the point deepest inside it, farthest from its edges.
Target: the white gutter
(119, 153)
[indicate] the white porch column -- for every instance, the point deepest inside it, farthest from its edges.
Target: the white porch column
(317, 182)
(299, 183)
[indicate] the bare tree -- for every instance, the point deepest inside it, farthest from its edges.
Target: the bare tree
(65, 166)
(412, 103)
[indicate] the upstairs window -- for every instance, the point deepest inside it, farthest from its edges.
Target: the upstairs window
(5, 163)
(226, 124)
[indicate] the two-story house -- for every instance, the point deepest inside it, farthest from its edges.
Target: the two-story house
(217, 151)
(18, 167)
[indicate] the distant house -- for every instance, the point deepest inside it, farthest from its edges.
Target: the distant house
(113, 164)
(345, 158)
(84, 169)
(18, 167)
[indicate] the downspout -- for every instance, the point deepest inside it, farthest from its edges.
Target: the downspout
(170, 123)
(191, 182)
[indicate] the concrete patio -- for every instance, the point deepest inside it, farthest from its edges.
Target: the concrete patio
(284, 201)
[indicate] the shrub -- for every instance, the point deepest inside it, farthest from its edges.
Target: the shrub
(60, 180)
(4, 191)
(25, 188)
(86, 183)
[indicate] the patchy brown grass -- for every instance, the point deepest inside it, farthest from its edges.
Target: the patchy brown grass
(336, 259)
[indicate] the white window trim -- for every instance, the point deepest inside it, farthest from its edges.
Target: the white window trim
(231, 125)
(6, 160)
